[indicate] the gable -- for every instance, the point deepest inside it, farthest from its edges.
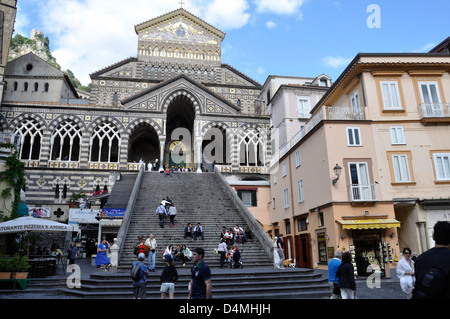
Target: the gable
(31, 65)
(179, 25)
(126, 68)
(157, 98)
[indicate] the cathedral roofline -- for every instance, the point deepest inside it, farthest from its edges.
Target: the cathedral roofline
(180, 11)
(113, 66)
(242, 74)
(182, 76)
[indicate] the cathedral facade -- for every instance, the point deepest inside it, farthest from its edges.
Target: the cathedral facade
(175, 103)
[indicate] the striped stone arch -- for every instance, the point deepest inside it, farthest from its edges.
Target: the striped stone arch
(102, 119)
(132, 126)
(26, 116)
(181, 93)
(74, 118)
(210, 125)
(3, 123)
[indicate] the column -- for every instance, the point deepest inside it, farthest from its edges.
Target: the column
(423, 236)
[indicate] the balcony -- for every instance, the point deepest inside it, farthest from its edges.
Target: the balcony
(344, 113)
(434, 112)
(363, 193)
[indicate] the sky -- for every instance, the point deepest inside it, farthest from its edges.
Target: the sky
(303, 38)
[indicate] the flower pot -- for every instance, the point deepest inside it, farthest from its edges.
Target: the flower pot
(19, 275)
(5, 275)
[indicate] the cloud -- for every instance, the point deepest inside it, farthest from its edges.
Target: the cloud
(271, 24)
(260, 70)
(335, 61)
(426, 48)
(88, 35)
(279, 6)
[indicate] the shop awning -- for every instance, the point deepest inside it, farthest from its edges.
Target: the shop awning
(369, 223)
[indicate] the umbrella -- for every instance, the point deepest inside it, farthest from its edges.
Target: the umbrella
(32, 224)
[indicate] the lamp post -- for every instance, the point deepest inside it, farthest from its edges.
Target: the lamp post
(337, 171)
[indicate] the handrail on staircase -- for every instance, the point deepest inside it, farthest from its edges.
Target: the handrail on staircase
(258, 231)
(129, 211)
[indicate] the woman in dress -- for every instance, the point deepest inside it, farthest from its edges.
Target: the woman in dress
(102, 259)
(405, 272)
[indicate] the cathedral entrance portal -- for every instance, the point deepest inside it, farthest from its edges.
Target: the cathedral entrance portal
(143, 144)
(179, 148)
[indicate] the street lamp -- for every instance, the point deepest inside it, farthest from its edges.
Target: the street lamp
(337, 171)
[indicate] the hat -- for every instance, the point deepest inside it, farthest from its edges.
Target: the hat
(141, 256)
(167, 258)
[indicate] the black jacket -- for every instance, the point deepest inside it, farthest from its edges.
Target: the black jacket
(169, 274)
(346, 276)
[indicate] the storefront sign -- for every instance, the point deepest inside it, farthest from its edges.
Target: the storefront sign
(84, 216)
(112, 212)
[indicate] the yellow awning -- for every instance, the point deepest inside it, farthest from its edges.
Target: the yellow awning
(369, 223)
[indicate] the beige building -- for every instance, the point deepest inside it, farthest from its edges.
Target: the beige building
(384, 123)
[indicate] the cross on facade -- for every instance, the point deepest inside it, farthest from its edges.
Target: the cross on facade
(181, 3)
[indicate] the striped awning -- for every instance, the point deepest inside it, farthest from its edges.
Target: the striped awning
(369, 223)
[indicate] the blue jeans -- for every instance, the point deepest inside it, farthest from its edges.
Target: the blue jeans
(195, 235)
(161, 219)
(151, 260)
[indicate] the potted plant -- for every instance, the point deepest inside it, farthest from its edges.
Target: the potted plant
(5, 268)
(19, 267)
(74, 201)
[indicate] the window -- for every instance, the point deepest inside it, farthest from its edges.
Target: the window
(284, 168)
(429, 92)
(46, 87)
(353, 136)
(355, 103)
(297, 158)
(65, 142)
(360, 187)
(105, 143)
(300, 191)
(401, 168)
(274, 203)
(288, 227)
(30, 136)
(302, 224)
(252, 145)
(442, 166)
(248, 197)
(321, 220)
(36, 86)
(274, 178)
(286, 198)
(397, 136)
(25, 86)
(303, 107)
(391, 95)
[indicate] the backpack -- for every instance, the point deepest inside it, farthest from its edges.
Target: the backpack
(136, 272)
(432, 285)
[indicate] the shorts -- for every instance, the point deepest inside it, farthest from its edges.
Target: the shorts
(167, 287)
(140, 290)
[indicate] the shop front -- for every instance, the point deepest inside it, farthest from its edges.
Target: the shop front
(373, 244)
(86, 230)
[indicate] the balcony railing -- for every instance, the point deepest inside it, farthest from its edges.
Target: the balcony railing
(361, 193)
(344, 113)
(434, 110)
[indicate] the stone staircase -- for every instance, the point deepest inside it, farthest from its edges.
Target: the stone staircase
(198, 198)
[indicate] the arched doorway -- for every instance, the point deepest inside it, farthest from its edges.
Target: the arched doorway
(179, 148)
(143, 144)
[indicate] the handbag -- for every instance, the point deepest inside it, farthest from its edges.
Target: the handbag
(336, 289)
(136, 251)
